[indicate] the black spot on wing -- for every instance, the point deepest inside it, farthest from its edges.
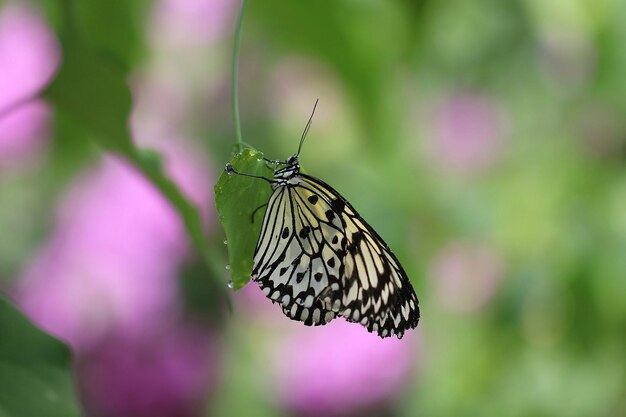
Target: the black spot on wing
(338, 205)
(304, 232)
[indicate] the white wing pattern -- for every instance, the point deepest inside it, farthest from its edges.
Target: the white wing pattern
(319, 259)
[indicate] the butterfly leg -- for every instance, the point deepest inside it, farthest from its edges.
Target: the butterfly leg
(230, 170)
(255, 211)
(275, 162)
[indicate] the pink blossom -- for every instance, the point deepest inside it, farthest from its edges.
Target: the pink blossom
(468, 132)
(29, 53)
(334, 370)
(168, 374)
(194, 20)
(23, 132)
(29, 56)
(111, 261)
(466, 275)
(340, 369)
(106, 282)
(251, 300)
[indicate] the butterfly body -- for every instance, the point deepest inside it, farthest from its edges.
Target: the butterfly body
(319, 259)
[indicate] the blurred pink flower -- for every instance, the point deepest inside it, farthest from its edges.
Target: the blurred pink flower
(29, 56)
(106, 283)
(112, 260)
(23, 133)
(191, 21)
(340, 369)
(168, 374)
(468, 132)
(466, 276)
(252, 302)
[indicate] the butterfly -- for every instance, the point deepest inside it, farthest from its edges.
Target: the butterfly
(319, 259)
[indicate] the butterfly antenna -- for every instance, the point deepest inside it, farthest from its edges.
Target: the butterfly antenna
(306, 129)
(230, 170)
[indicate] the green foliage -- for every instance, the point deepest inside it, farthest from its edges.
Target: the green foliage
(236, 198)
(363, 53)
(35, 376)
(115, 27)
(91, 89)
(95, 94)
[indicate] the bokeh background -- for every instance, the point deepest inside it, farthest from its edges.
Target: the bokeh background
(484, 140)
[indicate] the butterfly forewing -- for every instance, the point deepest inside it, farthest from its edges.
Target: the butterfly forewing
(318, 258)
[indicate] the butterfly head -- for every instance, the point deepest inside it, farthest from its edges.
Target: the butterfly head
(290, 168)
(293, 160)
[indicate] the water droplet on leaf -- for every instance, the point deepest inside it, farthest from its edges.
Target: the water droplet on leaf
(227, 267)
(231, 285)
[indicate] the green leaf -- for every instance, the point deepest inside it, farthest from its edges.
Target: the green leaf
(95, 20)
(94, 93)
(91, 90)
(35, 375)
(236, 198)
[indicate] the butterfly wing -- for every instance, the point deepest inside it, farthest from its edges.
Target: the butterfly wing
(375, 291)
(287, 261)
(319, 259)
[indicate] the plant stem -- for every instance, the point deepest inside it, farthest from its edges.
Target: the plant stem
(234, 86)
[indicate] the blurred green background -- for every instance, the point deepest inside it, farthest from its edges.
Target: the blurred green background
(485, 141)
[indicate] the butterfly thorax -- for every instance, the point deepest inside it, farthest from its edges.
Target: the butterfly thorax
(288, 174)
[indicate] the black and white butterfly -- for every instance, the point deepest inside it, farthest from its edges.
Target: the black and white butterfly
(319, 259)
